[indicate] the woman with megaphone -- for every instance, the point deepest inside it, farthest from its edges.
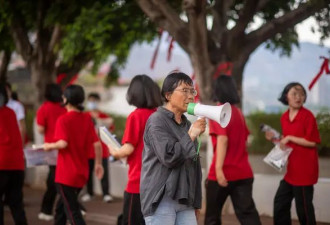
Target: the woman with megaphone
(230, 173)
(171, 171)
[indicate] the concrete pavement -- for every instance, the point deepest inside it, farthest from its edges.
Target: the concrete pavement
(98, 212)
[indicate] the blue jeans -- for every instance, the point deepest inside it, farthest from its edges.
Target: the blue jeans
(170, 212)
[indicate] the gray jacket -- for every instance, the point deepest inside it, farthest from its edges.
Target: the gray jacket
(169, 163)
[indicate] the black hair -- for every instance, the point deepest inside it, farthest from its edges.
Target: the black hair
(3, 94)
(143, 92)
(14, 95)
(75, 96)
(94, 95)
(53, 93)
(283, 97)
(172, 81)
(225, 90)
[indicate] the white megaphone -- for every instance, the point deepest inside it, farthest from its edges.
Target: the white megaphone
(220, 114)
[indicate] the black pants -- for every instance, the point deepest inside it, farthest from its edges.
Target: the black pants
(68, 207)
(240, 193)
(11, 189)
(104, 180)
(132, 214)
(303, 196)
(50, 194)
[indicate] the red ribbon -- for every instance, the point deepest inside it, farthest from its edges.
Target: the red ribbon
(324, 68)
(61, 76)
(224, 68)
(170, 48)
(153, 60)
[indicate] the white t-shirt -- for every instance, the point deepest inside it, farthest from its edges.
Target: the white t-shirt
(18, 108)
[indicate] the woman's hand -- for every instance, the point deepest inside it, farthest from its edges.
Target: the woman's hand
(99, 171)
(284, 141)
(48, 146)
(197, 128)
(222, 181)
(197, 213)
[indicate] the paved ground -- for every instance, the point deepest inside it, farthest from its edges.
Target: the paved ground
(98, 212)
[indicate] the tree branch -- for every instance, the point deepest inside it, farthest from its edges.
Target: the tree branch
(262, 4)
(162, 14)
(245, 16)
(20, 34)
(220, 18)
(4, 65)
(281, 24)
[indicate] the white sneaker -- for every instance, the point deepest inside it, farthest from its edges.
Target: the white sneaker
(44, 216)
(107, 198)
(86, 198)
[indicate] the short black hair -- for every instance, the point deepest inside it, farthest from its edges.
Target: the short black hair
(283, 97)
(94, 95)
(53, 93)
(172, 81)
(3, 94)
(75, 96)
(143, 92)
(225, 90)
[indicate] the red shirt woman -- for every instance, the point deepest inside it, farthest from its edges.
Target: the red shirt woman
(11, 162)
(74, 135)
(230, 172)
(143, 93)
(301, 134)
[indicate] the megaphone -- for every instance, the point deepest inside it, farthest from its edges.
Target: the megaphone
(220, 114)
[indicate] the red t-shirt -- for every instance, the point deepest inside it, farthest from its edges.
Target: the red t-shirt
(236, 164)
(105, 151)
(47, 115)
(133, 134)
(77, 129)
(11, 147)
(303, 166)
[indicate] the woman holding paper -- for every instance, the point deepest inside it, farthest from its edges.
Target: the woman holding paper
(11, 162)
(300, 132)
(171, 171)
(143, 93)
(74, 136)
(230, 173)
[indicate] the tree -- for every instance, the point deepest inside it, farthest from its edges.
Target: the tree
(230, 36)
(62, 36)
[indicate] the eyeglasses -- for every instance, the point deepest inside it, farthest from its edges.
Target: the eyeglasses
(187, 91)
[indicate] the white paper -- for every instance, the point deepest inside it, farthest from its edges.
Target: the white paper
(39, 157)
(277, 158)
(109, 139)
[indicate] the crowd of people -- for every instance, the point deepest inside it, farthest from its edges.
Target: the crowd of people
(162, 150)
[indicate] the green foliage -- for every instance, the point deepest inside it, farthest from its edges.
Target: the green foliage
(120, 123)
(284, 42)
(323, 121)
(104, 29)
(259, 144)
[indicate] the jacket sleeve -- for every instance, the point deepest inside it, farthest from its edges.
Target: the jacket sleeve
(170, 151)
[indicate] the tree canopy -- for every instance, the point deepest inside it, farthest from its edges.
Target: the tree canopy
(216, 31)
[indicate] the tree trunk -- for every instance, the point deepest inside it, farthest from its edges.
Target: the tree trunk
(41, 75)
(4, 65)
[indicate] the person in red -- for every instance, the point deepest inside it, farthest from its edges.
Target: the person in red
(47, 115)
(143, 93)
(300, 132)
(11, 162)
(74, 136)
(99, 119)
(230, 173)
